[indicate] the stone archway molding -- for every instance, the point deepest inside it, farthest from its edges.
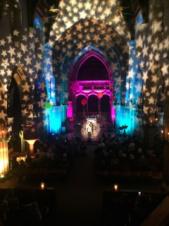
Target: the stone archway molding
(81, 60)
(87, 87)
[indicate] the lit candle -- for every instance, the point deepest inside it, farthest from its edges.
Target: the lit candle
(42, 185)
(139, 193)
(22, 141)
(116, 187)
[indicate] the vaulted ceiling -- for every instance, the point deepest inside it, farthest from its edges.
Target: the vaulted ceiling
(129, 8)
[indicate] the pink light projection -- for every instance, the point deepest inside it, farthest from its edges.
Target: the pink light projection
(100, 86)
(70, 110)
(113, 113)
(93, 87)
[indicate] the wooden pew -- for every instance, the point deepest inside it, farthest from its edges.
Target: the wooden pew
(160, 216)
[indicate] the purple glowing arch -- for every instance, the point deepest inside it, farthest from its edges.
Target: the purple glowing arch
(88, 88)
(81, 60)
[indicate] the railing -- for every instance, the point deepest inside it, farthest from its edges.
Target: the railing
(97, 86)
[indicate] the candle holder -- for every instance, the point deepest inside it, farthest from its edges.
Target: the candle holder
(4, 158)
(31, 143)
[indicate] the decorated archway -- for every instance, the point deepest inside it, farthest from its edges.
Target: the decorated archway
(90, 81)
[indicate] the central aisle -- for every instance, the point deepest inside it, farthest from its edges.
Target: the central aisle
(80, 199)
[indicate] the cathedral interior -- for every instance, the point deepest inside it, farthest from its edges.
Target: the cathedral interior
(84, 112)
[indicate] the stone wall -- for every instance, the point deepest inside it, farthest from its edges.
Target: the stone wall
(153, 47)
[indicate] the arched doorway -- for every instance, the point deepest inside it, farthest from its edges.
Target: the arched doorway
(93, 105)
(105, 106)
(91, 81)
(81, 106)
(92, 69)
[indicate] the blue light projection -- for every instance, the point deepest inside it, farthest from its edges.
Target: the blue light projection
(53, 119)
(37, 23)
(54, 115)
(139, 18)
(48, 74)
(126, 116)
(63, 110)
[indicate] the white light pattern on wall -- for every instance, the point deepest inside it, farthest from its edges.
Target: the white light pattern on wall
(153, 52)
(71, 12)
(81, 26)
